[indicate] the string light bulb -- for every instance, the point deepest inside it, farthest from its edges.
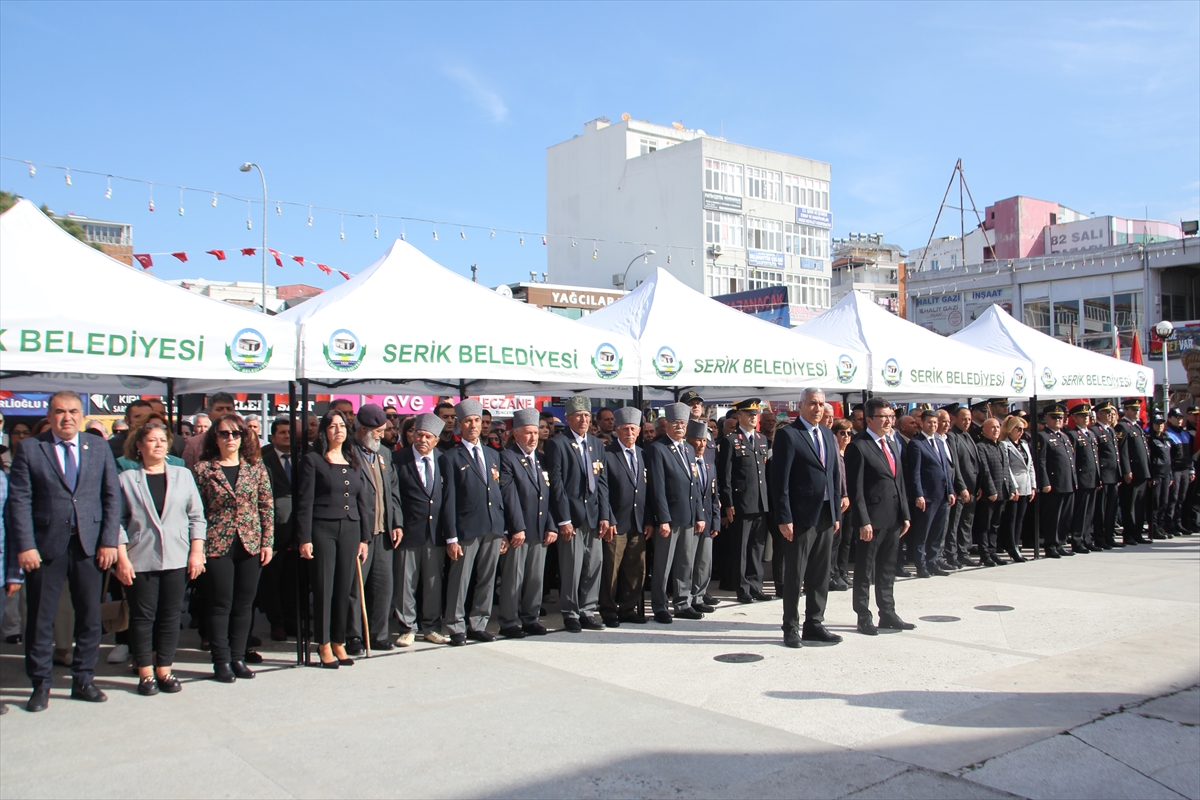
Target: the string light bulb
(278, 209)
(522, 240)
(181, 202)
(214, 200)
(108, 189)
(435, 234)
(32, 169)
(595, 251)
(572, 241)
(493, 236)
(342, 222)
(376, 226)
(67, 177)
(152, 197)
(462, 234)
(543, 241)
(310, 216)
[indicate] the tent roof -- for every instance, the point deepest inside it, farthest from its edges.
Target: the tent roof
(1061, 370)
(689, 340)
(86, 321)
(407, 319)
(908, 360)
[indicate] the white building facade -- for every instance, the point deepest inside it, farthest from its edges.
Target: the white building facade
(721, 217)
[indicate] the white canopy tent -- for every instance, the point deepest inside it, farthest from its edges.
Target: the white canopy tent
(908, 361)
(407, 319)
(73, 318)
(1060, 370)
(687, 340)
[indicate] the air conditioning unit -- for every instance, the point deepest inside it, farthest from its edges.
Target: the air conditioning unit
(715, 250)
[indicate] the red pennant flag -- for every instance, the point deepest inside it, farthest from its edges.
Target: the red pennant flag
(220, 254)
(275, 253)
(181, 256)
(247, 251)
(345, 275)
(298, 259)
(324, 269)
(144, 259)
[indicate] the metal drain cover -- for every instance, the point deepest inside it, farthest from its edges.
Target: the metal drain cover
(993, 608)
(738, 658)
(940, 618)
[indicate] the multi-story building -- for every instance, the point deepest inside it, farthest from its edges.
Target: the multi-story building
(115, 239)
(566, 301)
(721, 217)
(863, 262)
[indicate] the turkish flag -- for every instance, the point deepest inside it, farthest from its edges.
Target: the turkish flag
(298, 259)
(324, 269)
(345, 275)
(275, 253)
(144, 259)
(220, 254)
(248, 251)
(181, 256)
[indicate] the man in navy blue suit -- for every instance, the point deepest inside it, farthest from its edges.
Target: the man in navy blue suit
(930, 487)
(675, 513)
(623, 577)
(63, 520)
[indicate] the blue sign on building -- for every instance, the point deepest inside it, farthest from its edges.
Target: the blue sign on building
(809, 263)
(813, 216)
(764, 258)
(16, 404)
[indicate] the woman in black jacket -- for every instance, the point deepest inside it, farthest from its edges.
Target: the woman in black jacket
(1158, 489)
(333, 522)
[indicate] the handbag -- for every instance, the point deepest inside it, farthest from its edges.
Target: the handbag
(114, 614)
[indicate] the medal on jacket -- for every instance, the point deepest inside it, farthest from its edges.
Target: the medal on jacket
(546, 477)
(495, 474)
(597, 467)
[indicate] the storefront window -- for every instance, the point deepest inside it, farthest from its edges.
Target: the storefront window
(1097, 324)
(1066, 320)
(1037, 315)
(1128, 317)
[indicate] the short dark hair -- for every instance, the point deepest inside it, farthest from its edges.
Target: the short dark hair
(927, 413)
(248, 450)
(66, 394)
(443, 404)
(221, 397)
(486, 413)
(857, 407)
(280, 422)
(139, 403)
(874, 405)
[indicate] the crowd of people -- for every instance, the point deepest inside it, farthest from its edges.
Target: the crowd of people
(382, 528)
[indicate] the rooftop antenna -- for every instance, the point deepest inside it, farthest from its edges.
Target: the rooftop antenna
(962, 186)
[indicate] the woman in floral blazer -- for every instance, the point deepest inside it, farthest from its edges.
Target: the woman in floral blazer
(240, 511)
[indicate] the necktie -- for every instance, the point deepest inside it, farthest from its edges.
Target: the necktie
(287, 465)
(533, 470)
(428, 472)
(887, 452)
(700, 469)
(587, 468)
(70, 466)
(479, 462)
(682, 455)
(820, 445)
(632, 465)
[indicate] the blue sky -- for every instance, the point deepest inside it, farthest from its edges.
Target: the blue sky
(445, 111)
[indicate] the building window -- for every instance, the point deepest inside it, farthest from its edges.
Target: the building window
(1128, 317)
(806, 240)
(764, 184)
(1097, 325)
(764, 234)
(106, 234)
(648, 146)
(807, 192)
(1066, 320)
(723, 177)
(723, 279)
(724, 229)
(1037, 315)
(792, 189)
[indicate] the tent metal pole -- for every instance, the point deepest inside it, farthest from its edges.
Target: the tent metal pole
(171, 407)
(303, 616)
(1037, 490)
(297, 433)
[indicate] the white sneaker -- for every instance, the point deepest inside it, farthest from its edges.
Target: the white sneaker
(119, 654)
(434, 637)
(405, 639)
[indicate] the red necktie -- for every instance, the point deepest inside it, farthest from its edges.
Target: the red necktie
(887, 451)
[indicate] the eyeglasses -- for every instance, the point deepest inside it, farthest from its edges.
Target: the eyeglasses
(883, 416)
(847, 434)
(229, 434)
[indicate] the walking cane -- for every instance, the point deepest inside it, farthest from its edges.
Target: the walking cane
(362, 599)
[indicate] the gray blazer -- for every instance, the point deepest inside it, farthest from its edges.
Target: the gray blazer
(1020, 471)
(154, 544)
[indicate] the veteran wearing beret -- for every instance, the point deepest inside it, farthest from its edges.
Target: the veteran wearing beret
(674, 501)
(623, 576)
(697, 436)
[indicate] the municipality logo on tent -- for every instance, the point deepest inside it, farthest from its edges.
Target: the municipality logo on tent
(666, 363)
(846, 368)
(891, 372)
(249, 351)
(344, 352)
(1018, 380)
(1142, 382)
(1048, 379)
(607, 361)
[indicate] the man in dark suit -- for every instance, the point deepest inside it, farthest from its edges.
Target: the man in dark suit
(1087, 471)
(1104, 518)
(674, 503)
(878, 513)
(277, 585)
(63, 519)
(472, 526)
(806, 502)
(579, 506)
(742, 480)
(929, 484)
(962, 515)
(995, 489)
(710, 511)
(1056, 480)
(623, 575)
(526, 488)
(420, 560)
(383, 498)
(1135, 468)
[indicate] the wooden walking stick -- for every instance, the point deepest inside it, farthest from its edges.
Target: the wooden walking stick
(362, 599)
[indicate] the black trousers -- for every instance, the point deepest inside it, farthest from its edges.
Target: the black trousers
(1157, 495)
(778, 561)
(806, 561)
(1104, 518)
(1012, 520)
(1056, 518)
(155, 604)
(958, 531)
(43, 588)
(986, 525)
(1084, 502)
(335, 547)
(377, 578)
(875, 562)
(277, 590)
(1132, 499)
(232, 581)
(1179, 490)
(750, 531)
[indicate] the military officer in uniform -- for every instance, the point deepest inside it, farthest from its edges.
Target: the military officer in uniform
(1135, 469)
(526, 489)
(1057, 480)
(742, 480)
(979, 415)
(710, 511)
(674, 502)
(1104, 517)
(623, 575)
(1087, 470)
(998, 408)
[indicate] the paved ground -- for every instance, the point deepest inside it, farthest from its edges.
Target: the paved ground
(1086, 688)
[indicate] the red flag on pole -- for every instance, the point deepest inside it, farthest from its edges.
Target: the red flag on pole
(275, 253)
(1135, 356)
(220, 254)
(324, 269)
(181, 256)
(345, 275)
(298, 259)
(248, 251)
(144, 259)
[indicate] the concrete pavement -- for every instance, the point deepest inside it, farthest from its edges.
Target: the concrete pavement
(1054, 698)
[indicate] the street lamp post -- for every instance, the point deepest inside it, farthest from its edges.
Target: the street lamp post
(1164, 330)
(631, 263)
(246, 167)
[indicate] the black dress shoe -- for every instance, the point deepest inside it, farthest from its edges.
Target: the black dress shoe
(458, 639)
(1116, 544)
(663, 618)
(760, 596)
(38, 701)
(997, 561)
(1052, 554)
(709, 600)
(903, 573)
(148, 687)
(967, 561)
(253, 657)
(936, 569)
(611, 620)
(354, 647)
(1016, 556)
(14, 639)
(383, 646)
(223, 673)
(946, 565)
(1062, 551)
(688, 613)
(703, 608)
(895, 624)
(534, 629)
(816, 632)
(330, 664)
(867, 628)
(481, 636)
(792, 639)
(571, 625)
(744, 599)
(346, 662)
(636, 618)
(88, 692)
(591, 624)
(1157, 535)
(923, 573)
(836, 584)
(512, 633)
(169, 683)
(240, 669)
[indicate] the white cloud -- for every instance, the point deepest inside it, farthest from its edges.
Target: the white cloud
(484, 97)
